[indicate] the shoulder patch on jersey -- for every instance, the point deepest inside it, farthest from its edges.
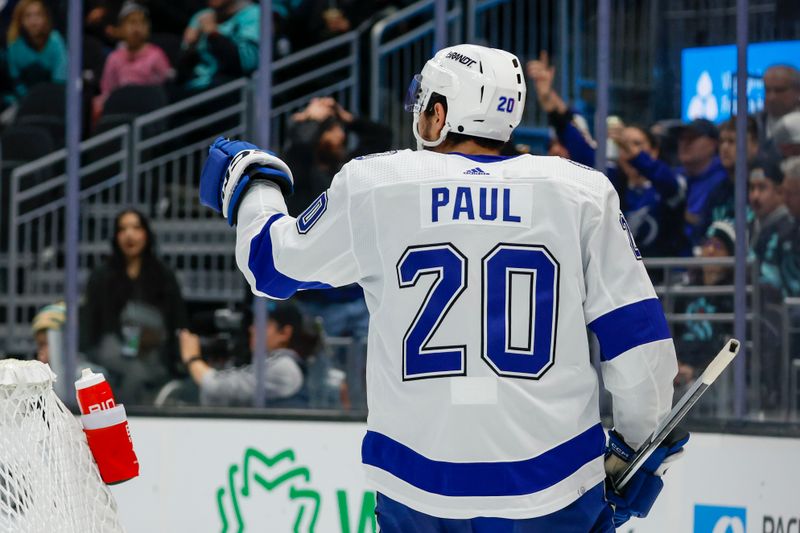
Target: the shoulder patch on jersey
(379, 154)
(312, 214)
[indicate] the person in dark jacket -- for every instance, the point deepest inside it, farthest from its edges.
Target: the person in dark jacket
(698, 143)
(651, 193)
(220, 44)
(316, 150)
(771, 227)
(132, 309)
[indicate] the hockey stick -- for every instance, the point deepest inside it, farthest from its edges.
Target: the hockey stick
(684, 405)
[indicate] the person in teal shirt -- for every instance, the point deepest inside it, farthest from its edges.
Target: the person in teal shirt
(36, 52)
(220, 43)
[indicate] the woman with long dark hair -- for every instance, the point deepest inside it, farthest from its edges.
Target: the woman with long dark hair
(133, 306)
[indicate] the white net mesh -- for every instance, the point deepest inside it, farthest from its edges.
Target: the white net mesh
(48, 479)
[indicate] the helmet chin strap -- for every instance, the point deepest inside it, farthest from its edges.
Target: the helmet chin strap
(424, 143)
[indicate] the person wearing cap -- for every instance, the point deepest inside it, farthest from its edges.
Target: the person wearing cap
(50, 319)
(781, 96)
(697, 153)
(771, 227)
(135, 61)
(698, 340)
(289, 342)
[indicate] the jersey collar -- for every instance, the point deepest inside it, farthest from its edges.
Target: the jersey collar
(484, 158)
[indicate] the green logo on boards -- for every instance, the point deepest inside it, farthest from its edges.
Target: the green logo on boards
(276, 492)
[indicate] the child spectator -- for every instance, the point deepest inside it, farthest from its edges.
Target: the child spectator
(698, 340)
(772, 224)
(790, 251)
(220, 43)
(36, 52)
(135, 61)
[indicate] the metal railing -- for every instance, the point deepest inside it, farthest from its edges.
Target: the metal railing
(678, 281)
(524, 28)
(36, 225)
(790, 362)
(401, 43)
(153, 165)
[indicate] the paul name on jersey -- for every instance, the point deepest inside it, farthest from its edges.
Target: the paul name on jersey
(476, 203)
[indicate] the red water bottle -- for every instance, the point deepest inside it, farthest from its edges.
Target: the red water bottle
(106, 427)
(109, 438)
(94, 392)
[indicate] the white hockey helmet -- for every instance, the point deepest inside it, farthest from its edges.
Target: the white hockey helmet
(484, 87)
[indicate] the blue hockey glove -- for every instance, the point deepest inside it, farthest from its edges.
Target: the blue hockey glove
(230, 169)
(639, 495)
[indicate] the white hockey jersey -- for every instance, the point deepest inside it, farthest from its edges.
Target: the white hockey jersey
(481, 274)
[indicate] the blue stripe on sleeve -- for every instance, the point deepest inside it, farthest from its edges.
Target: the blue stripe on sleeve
(511, 478)
(262, 265)
(630, 326)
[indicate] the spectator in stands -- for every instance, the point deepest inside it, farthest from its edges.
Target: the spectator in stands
(220, 44)
(36, 52)
(771, 227)
(772, 224)
(786, 135)
(790, 251)
(289, 343)
(135, 61)
(697, 153)
(699, 340)
(133, 307)
(721, 201)
(650, 192)
(781, 96)
(314, 21)
(51, 318)
(47, 333)
(317, 149)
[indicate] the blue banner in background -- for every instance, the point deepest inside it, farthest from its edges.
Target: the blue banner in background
(716, 519)
(708, 74)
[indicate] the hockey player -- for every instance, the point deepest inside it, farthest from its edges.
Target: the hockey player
(481, 274)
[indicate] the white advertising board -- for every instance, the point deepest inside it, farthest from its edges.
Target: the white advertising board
(240, 475)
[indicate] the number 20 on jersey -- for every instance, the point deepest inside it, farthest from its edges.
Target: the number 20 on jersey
(528, 356)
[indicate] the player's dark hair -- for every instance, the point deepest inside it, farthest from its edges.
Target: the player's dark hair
(752, 127)
(458, 138)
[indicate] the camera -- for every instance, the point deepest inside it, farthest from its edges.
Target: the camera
(222, 333)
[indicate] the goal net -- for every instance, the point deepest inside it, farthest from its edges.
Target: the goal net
(48, 479)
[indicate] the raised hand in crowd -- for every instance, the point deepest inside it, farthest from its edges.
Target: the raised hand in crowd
(321, 109)
(543, 73)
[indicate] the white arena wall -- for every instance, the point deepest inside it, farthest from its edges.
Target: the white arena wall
(239, 475)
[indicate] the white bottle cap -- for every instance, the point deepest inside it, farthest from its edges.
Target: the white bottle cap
(89, 379)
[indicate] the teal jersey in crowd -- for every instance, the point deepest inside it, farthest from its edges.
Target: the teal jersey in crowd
(28, 66)
(242, 29)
